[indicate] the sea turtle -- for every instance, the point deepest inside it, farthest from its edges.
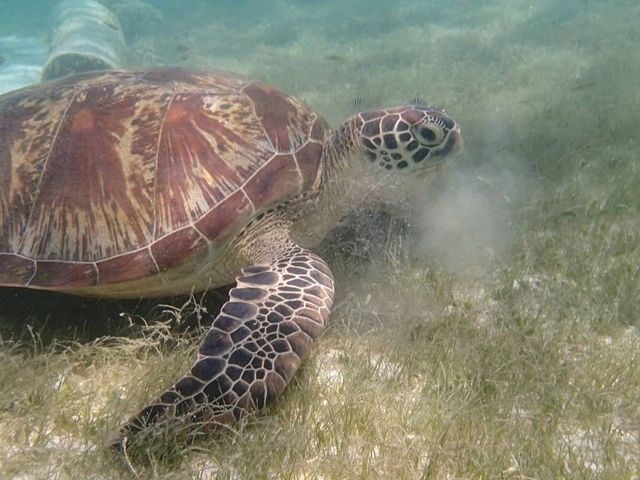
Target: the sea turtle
(164, 181)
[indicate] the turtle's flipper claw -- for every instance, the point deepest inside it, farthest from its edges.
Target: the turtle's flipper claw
(119, 444)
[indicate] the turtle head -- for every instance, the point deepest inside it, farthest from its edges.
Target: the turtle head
(383, 157)
(415, 139)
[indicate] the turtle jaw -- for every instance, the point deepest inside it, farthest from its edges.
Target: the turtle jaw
(440, 158)
(458, 142)
(430, 171)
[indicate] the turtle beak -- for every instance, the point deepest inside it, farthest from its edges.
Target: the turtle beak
(431, 171)
(458, 142)
(454, 146)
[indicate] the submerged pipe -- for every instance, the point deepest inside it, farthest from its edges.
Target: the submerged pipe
(87, 36)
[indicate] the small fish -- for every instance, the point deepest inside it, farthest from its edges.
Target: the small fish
(582, 85)
(417, 101)
(357, 102)
(182, 47)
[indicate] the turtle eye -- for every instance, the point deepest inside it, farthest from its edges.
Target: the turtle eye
(430, 134)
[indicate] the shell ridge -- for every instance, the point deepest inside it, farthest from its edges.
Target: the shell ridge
(257, 171)
(295, 162)
(300, 147)
(155, 169)
(153, 258)
(255, 114)
(38, 189)
(199, 232)
(33, 275)
(96, 272)
(89, 262)
(253, 205)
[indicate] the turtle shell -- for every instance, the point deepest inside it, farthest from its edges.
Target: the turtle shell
(111, 181)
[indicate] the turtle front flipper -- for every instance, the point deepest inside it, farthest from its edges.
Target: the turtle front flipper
(254, 346)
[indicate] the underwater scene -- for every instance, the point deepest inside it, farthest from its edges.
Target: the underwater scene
(384, 240)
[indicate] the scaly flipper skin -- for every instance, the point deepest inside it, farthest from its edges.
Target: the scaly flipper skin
(256, 343)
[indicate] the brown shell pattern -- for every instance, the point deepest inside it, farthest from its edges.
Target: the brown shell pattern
(114, 176)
